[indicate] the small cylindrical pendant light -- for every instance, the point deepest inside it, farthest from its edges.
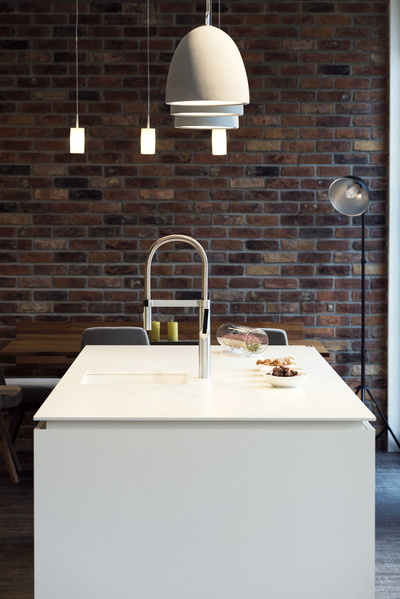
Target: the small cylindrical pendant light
(77, 139)
(148, 141)
(76, 134)
(148, 135)
(219, 145)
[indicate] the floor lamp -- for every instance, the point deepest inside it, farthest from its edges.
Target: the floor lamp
(350, 196)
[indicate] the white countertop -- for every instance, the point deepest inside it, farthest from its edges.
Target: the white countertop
(236, 390)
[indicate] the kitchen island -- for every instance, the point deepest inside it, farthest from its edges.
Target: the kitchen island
(151, 482)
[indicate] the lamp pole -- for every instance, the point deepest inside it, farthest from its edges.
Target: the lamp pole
(363, 388)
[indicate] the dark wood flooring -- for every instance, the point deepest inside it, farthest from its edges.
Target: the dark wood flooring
(16, 529)
(16, 532)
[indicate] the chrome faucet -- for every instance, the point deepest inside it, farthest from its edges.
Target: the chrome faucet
(203, 304)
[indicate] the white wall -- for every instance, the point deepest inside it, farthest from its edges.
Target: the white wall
(394, 229)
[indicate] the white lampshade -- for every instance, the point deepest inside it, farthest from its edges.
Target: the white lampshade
(77, 140)
(207, 69)
(234, 110)
(148, 141)
(219, 144)
(207, 122)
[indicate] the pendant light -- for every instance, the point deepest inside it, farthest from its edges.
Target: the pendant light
(219, 142)
(76, 134)
(209, 114)
(148, 135)
(213, 110)
(207, 69)
(219, 137)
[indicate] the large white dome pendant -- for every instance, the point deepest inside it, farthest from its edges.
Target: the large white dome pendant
(207, 69)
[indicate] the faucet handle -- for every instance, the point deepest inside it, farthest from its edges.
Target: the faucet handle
(205, 321)
(146, 315)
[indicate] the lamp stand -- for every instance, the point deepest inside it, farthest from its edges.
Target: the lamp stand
(363, 389)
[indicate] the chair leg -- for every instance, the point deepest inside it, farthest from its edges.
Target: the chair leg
(8, 451)
(15, 421)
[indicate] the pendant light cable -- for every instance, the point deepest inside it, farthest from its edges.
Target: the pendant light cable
(208, 15)
(76, 62)
(148, 64)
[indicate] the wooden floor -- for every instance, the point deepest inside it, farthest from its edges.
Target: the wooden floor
(16, 529)
(16, 532)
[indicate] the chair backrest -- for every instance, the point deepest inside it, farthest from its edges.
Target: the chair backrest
(277, 336)
(2, 378)
(114, 336)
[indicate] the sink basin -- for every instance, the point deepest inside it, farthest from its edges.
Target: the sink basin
(134, 378)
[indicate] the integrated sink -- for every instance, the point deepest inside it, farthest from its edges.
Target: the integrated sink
(134, 378)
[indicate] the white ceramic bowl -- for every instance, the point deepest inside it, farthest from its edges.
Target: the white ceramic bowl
(286, 382)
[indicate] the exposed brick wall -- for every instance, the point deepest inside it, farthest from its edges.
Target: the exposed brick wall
(75, 229)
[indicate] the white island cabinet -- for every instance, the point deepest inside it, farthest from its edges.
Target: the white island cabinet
(151, 483)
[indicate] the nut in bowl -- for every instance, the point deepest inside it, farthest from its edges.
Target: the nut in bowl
(282, 372)
(285, 382)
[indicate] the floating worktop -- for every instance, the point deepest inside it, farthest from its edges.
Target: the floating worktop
(111, 383)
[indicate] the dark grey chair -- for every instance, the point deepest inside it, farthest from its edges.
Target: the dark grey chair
(34, 393)
(114, 336)
(277, 336)
(10, 398)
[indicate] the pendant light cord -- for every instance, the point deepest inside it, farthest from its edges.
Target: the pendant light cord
(76, 63)
(148, 64)
(208, 13)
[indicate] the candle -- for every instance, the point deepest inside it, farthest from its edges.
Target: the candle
(154, 334)
(172, 331)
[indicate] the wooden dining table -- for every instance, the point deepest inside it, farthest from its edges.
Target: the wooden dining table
(59, 353)
(53, 346)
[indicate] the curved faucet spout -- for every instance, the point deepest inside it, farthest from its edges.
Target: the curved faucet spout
(168, 239)
(203, 304)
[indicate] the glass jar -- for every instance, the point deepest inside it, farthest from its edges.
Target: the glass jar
(241, 339)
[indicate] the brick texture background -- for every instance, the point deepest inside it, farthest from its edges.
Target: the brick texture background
(75, 228)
